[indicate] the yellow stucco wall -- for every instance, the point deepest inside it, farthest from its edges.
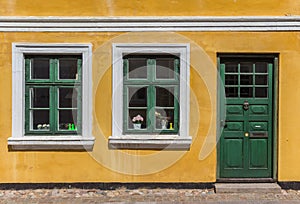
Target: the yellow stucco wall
(197, 165)
(104, 165)
(148, 7)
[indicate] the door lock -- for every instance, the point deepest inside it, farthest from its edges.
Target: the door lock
(246, 105)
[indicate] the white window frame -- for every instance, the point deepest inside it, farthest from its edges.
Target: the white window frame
(118, 140)
(20, 141)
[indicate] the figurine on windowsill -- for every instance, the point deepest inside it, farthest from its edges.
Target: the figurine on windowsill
(67, 126)
(162, 119)
(43, 126)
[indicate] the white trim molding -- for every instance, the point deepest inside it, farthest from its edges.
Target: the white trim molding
(137, 23)
(168, 142)
(58, 142)
(18, 140)
(121, 141)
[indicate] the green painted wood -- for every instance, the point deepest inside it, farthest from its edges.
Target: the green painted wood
(79, 98)
(53, 84)
(152, 83)
(234, 153)
(275, 119)
(258, 149)
(245, 147)
(151, 66)
(27, 120)
(53, 109)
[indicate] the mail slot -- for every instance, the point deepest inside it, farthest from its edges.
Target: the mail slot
(259, 134)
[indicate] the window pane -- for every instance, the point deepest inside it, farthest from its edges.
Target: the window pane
(231, 79)
(40, 68)
(231, 67)
(261, 67)
(39, 120)
(261, 92)
(231, 91)
(261, 79)
(137, 96)
(137, 68)
(68, 97)
(137, 116)
(68, 68)
(164, 97)
(68, 120)
(39, 97)
(246, 80)
(246, 92)
(164, 119)
(246, 67)
(165, 68)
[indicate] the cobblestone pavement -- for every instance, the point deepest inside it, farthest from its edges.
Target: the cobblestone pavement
(141, 196)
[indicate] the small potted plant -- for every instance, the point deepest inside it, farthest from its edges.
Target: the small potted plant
(137, 121)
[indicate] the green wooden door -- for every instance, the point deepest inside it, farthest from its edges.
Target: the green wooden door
(245, 149)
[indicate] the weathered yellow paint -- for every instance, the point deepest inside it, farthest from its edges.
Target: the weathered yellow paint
(71, 166)
(148, 8)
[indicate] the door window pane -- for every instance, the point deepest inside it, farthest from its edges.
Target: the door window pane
(261, 67)
(39, 97)
(231, 67)
(246, 80)
(67, 120)
(137, 68)
(40, 68)
(164, 97)
(39, 120)
(68, 68)
(246, 92)
(231, 79)
(137, 96)
(165, 68)
(231, 91)
(261, 92)
(68, 97)
(261, 79)
(246, 67)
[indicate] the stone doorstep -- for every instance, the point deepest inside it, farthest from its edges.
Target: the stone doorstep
(247, 188)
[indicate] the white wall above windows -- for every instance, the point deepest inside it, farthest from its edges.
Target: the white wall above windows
(20, 141)
(182, 140)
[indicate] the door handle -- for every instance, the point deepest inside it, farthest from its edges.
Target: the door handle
(223, 123)
(246, 105)
(246, 134)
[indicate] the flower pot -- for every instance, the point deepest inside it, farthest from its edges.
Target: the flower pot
(137, 126)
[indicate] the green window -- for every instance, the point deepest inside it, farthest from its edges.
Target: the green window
(52, 95)
(246, 79)
(151, 94)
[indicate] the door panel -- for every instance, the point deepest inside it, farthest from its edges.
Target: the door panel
(234, 110)
(234, 156)
(233, 129)
(258, 126)
(245, 149)
(259, 110)
(258, 153)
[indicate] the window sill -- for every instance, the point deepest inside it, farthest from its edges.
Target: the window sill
(155, 142)
(51, 143)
